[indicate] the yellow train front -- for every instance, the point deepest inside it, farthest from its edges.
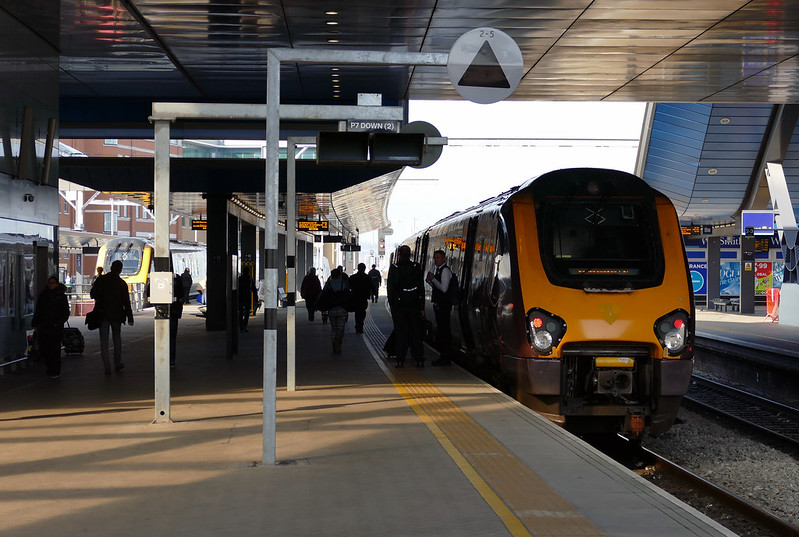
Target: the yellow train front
(576, 298)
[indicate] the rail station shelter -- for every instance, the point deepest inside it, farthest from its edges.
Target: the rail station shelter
(721, 78)
(720, 137)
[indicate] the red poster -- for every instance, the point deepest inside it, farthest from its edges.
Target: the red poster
(762, 277)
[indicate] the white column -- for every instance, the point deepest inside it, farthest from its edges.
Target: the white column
(161, 323)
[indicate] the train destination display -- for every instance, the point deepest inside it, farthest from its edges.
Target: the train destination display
(313, 225)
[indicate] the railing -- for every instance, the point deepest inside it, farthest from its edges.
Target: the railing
(81, 302)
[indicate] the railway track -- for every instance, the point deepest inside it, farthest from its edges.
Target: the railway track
(769, 417)
(736, 512)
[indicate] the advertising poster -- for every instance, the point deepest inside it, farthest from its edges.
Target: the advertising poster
(762, 277)
(730, 278)
(699, 277)
(776, 274)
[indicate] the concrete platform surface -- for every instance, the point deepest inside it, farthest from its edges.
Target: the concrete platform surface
(364, 449)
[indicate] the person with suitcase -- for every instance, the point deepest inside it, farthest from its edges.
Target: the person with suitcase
(52, 311)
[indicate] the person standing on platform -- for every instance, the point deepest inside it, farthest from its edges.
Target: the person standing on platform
(377, 279)
(99, 273)
(186, 281)
(440, 281)
(175, 313)
(334, 299)
(112, 300)
(246, 291)
(310, 289)
(361, 286)
(52, 311)
(406, 298)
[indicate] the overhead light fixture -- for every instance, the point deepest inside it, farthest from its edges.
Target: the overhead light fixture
(331, 23)
(332, 40)
(331, 12)
(334, 69)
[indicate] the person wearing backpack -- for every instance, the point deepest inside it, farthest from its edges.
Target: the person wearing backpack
(406, 298)
(334, 299)
(440, 280)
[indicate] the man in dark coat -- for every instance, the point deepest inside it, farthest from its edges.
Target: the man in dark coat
(377, 279)
(52, 311)
(186, 281)
(406, 298)
(112, 300)
(361, 285)
(246, 291)
(310, 289)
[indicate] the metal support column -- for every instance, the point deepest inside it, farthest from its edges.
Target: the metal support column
(713, 269)
(161, 262)
(291, 264)
(271, 185)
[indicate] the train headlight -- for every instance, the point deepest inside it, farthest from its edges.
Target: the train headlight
(671, 330)
(544, 330)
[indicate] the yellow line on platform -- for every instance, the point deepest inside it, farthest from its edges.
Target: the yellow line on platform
(514, 525)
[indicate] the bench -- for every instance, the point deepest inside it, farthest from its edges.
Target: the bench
(735, 304)
(719, 304)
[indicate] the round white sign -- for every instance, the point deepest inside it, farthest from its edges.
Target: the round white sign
(485, 65)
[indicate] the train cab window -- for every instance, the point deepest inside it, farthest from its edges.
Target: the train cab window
(605, 245)
(130, 255)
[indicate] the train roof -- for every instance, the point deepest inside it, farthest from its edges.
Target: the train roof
(558, 175)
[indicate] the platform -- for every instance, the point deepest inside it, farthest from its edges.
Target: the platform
(364, 450)
(754, 330)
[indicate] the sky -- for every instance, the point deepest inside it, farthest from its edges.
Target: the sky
(498, 146)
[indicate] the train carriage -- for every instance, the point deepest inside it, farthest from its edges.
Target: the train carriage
(137, 260)
(575, 298)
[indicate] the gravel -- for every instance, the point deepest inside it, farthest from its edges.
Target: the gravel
(754, 468)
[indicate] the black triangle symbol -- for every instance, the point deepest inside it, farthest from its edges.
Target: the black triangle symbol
(485, 71)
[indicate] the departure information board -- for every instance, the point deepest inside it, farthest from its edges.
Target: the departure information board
(312, 225)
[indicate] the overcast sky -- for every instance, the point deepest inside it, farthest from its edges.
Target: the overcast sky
(495, 147)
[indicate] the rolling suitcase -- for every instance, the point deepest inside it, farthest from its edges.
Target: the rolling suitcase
(72, 340)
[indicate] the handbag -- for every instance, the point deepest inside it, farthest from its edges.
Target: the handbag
(93, 319)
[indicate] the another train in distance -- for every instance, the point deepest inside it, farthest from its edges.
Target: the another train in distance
(576, 298)
(137, 260)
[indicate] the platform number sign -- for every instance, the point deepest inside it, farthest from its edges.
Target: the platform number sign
(485, 65)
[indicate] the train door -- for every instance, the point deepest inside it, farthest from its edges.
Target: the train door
(424, 254)
(465, 279)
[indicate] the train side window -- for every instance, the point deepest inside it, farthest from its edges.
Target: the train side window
(28, 306)
(11, 279)
(3, 283)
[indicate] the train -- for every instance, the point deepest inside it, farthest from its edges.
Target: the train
(137, 254)
(575, 299)
(26, 261)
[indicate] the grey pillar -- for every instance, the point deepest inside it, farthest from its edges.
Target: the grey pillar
(713, 268)
(232, 328)
(218, 266)
(747, 274)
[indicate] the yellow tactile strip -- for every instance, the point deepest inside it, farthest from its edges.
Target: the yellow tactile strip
(522, 500)
(542, 511)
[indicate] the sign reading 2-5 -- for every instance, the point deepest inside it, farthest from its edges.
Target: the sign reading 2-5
(485, 65)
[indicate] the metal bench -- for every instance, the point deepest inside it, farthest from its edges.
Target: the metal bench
(719, 304)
